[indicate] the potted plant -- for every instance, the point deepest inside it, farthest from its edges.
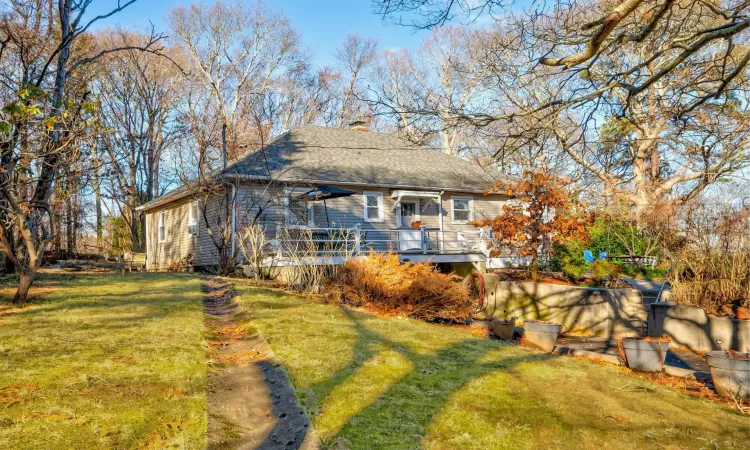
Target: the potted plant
(504, 329)
(644, 354)
(730, 373)
(541, 334)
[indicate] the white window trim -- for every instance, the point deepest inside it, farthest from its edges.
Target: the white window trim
(381, 210)
(161, 222)
(192, 219)
(417, 215)
(453, 211)
(288, 209)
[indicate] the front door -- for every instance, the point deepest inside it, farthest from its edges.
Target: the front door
(409, 214)
(409, 238)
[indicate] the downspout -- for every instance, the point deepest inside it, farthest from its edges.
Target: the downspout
(148, 230)
(234, 218)
(440, 216)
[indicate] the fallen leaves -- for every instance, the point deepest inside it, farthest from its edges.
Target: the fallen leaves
(16, 393)
(163, 438)
(241, 358)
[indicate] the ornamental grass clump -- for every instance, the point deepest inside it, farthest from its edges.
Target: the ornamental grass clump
(383, 283)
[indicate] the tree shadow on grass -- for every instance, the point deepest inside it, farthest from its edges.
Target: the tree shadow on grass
(399, 416)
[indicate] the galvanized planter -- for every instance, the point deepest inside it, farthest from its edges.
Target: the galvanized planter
(504, 329)
(541, 335)
(645, 356)
(730, 375)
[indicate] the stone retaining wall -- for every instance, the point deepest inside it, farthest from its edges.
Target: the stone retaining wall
(691, 327)
(599, 312)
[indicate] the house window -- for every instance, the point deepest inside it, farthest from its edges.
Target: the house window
(374, 207)
(298, 210)
(193, 213)
(162, 226)
(462, 209)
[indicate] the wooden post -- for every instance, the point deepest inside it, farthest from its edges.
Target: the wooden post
(278, 240)
(357, 239)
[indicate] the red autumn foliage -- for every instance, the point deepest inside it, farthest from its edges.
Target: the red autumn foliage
(526, 227)
(383, 283)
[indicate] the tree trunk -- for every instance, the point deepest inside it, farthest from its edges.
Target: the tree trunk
(534, 266)
(69, 228)
(24, 284)
(98, 202)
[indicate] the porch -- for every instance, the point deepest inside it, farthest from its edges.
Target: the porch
(293, 245)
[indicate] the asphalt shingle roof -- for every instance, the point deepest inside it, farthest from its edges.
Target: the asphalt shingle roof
(341, 155)
(321, 155)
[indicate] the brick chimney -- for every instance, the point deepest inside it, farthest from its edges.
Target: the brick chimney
(359, 125)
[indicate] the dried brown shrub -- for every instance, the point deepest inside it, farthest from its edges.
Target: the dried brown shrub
(382, 282)
(712, 267)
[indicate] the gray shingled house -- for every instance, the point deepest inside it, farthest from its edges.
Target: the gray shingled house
(343, 191)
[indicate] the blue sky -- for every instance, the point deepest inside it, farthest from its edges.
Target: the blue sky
(323, 25)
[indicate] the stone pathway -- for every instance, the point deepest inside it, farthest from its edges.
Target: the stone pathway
(251, 403)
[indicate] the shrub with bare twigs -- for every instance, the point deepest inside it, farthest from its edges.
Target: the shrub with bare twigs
(712, 267)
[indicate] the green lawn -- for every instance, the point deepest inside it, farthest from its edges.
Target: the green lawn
(371, 383)
(104, 361)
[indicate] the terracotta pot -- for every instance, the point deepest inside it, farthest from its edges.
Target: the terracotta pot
(730, 375)
(541, 335)
(743, 313)
(645, 356)
(504, 329)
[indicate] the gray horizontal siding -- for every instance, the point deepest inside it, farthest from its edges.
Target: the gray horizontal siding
(344, 212)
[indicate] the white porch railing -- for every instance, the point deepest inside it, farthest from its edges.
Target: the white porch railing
(354, 241)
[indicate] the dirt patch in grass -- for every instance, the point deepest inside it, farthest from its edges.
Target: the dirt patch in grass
(374, 382)
(250, 403)
(101, 361)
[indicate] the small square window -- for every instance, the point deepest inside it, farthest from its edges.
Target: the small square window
(374, 207)
(463, 209)
(162, 229)
(193, 213)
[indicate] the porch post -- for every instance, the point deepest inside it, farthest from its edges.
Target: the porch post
(441, 237)
(424, 239)
(278, 240)
(357, 239)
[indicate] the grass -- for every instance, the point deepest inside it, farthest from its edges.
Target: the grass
(371, 382)
(104, 361)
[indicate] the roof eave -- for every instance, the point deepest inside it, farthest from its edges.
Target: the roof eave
(243, 177)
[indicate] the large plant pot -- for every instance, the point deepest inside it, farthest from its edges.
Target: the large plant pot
(541, 335)
(645, 356)
(730, 373)
(504, 329)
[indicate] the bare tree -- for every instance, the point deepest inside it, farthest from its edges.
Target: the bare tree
(355, 56)
(235, 50)
(138, 94)
(42, 123)
(424, 92)
(710, 37)
(646, 129)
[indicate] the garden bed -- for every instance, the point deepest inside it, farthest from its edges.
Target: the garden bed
(558, 278)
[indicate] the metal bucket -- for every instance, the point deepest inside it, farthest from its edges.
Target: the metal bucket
(645, 356)
(731, 376)
(541, 335)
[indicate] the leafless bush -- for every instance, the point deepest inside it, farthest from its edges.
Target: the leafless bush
(314, 255)
(711, 268)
